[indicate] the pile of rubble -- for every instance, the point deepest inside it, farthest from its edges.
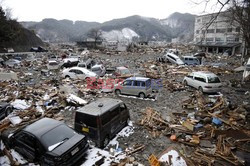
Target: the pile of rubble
(210, 128)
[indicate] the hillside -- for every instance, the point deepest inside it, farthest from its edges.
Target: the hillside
(143, 28)
(182, 25)
(13, 35)
(52, 30)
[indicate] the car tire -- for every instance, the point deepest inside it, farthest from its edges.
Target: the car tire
(118, 92)
(8, 111)
(200, 89)
(142, 95)
(185, 83)
(67, 76)
(105, 142)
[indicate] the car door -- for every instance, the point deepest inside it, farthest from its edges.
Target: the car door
(25, 145)
(115, 122)
(126, 87)
(199, 81)
(124, 115)
(72, 74)
(80, 74)
(190, 79)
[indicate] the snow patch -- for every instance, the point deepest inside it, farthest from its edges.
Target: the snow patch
(120, 35)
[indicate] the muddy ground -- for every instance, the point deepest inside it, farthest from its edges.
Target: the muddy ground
(166, 103)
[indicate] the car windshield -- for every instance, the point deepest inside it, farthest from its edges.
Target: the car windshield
(125, 71)
(56, 136)
(213, 80)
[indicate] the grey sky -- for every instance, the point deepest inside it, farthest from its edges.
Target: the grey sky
(101, 10)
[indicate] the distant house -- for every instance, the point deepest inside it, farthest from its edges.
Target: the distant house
(221, 36)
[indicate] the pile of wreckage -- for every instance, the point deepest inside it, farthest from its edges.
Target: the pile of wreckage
(212, 130)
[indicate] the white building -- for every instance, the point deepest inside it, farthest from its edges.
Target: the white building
(222, 35)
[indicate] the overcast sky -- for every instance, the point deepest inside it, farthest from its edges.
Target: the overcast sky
(101, 10)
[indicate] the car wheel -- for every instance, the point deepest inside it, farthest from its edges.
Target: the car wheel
(8, 111)
(141, 95)
(105, 142)
(67, 76)
(185, 83)
(200, 89)
(118, 92)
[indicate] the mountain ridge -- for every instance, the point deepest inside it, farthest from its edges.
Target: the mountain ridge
(177, 25)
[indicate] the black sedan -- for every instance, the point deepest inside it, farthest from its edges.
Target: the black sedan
(49, 142)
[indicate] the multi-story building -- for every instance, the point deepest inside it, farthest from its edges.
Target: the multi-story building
(217, 34)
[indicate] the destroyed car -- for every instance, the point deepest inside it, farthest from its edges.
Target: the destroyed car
(70, 62)
(204, 81)
(190, 60)
(122, 72)
(137, 86)
(5, 109)
(99, 69)
(12, 63)
(38, 49)
(53, 65)
(174, 59)
(101, 120)
(78, 73)
(48, 142)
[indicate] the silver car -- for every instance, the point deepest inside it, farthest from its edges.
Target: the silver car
(12, 63)
(174, 59)
(137, 86)
(204, 81)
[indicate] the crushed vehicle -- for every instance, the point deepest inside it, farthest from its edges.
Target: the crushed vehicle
(48, 142)
(101, 120)
(70, 62)
(122, 72)
(53, 65)
(78, 73)
(12, 63)
(5, 109)
(137, 86)
(190, 60)
(174, 59)
(38, 49)
(204, 81)
(91, 65)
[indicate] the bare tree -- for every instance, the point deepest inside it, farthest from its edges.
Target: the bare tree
(95, 34)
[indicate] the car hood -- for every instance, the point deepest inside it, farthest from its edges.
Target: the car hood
(67, 145)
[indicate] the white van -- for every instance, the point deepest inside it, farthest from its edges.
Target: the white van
(190, 60)
(173, 59)
(204, 81)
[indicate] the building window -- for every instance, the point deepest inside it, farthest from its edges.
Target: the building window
(220, 30)
(218, 39)
(210, 31)
(209, 39)
(230, 39)
(237, 39)
(237, 29)
(229, 29)
(197, 31)
(198, 20)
